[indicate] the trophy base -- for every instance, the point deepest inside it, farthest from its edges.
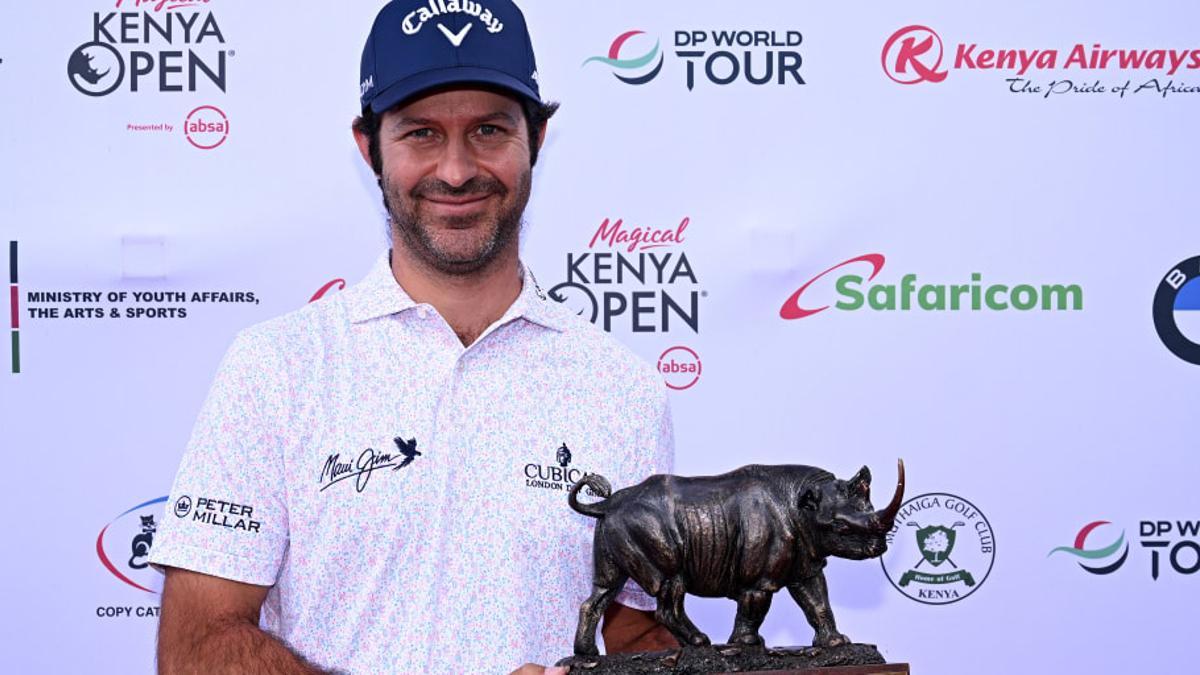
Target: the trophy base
(851, 659)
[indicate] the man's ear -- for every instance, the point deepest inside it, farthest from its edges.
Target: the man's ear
(541, 139)
(363, 142)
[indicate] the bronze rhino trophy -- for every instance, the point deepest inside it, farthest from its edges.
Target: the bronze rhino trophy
(742, 535)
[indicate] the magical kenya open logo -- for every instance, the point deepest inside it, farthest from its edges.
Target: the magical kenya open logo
(149, 46)
(633, 277)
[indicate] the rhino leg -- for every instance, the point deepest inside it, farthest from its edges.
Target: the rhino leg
(752, 609)
(589, 616)
(607, 582)
(813, 597)
(670, 614)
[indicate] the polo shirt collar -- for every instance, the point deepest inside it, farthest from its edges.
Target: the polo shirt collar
(379, 294)
(535, 306)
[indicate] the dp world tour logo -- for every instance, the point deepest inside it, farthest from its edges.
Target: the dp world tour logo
(913, 54)
(1079, 550)
(124, 545)
(636, 64)
(1177, 310)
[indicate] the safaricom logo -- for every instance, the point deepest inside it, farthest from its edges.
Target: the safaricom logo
(856, 289)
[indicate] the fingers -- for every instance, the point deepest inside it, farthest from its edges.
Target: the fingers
(534, 669)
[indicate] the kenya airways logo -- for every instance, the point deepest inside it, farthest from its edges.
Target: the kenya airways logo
(913, 54)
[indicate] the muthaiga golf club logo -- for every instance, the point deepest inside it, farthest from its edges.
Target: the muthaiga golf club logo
(949, 554)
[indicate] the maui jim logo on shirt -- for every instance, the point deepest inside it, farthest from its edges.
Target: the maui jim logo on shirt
(417, 18)
(369, 461)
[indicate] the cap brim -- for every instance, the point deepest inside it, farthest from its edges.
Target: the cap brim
(412, 86)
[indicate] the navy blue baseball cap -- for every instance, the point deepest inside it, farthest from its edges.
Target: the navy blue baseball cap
(417, 45)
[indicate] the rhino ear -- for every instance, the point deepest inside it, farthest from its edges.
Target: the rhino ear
(810, 500)
(860, 484)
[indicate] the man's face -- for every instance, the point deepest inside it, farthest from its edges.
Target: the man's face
(456, 177)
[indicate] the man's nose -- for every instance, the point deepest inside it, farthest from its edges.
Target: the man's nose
(457, 164)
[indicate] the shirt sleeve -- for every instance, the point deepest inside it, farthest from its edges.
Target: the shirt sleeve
(227, 512)
(659, 436)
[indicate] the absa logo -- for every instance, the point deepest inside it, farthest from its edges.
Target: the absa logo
(680, 367)
(614, 60)
(913, 54)
(206, 127)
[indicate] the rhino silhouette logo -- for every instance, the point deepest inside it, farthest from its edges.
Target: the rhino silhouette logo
(85, 74)
(81, 66)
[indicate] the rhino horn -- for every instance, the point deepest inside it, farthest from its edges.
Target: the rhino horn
(887, 517)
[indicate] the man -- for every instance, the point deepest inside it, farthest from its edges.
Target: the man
(376, 482)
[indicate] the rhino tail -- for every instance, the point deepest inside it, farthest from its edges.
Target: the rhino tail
(599, 485)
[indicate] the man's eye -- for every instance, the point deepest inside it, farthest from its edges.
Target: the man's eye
(489, 130)
(420, 133)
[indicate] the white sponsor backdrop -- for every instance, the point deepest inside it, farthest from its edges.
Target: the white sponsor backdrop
(1044, 420)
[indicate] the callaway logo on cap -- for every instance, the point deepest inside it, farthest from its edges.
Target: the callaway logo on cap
(420, 44)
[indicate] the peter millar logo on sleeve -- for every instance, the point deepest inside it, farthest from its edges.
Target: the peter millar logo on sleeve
(218, 513)
(335, 470)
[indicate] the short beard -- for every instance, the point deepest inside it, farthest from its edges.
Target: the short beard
(418, 239)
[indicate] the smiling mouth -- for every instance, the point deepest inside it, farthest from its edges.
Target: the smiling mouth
(457, 204)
